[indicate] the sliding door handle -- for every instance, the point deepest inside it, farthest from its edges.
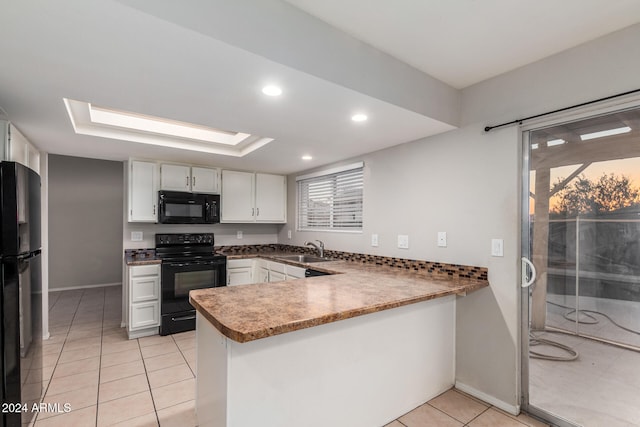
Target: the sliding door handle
(526, 283)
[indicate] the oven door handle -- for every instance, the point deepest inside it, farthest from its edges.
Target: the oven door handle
(199, 263)
(175, 264)
(177, 319)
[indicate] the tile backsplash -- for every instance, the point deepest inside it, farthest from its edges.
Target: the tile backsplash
(426, 267)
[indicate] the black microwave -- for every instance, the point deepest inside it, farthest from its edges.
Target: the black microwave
(177, 207)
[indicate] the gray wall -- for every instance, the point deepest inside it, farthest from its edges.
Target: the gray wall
(468, 183)
(85, 222)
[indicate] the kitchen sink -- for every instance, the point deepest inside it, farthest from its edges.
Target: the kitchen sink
(303, 258)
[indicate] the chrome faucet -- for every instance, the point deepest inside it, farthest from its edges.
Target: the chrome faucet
(319, 247)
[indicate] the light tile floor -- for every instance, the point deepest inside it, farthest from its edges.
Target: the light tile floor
(109, 380)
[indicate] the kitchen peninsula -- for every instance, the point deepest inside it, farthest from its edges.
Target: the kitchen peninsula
(356, 348)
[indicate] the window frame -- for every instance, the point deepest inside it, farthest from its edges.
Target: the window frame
(328, 174)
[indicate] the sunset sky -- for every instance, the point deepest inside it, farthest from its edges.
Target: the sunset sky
(627, 167)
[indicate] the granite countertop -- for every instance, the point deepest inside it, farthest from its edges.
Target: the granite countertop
(141, 257)
(250, 312)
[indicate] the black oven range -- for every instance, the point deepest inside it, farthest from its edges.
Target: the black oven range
(188, 262)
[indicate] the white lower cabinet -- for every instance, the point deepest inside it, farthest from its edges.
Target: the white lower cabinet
(276, 276)
(143, 300)
(294, 272)
(145, 315)
(256, 270)
(240, 272)
(261, 270)
(276, 272)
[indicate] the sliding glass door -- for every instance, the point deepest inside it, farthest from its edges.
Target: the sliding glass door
(581, 231)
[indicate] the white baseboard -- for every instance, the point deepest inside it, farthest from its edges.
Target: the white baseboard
(512, 409)
(73, 288)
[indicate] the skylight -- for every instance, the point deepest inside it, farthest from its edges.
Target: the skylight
(88, 119)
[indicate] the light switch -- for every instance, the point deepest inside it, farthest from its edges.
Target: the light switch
(442, 239)
(239, 234)
(374, 240)
(497, 247)
(136, 236)
(403, 241)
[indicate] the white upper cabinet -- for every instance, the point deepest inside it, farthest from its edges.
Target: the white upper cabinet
(253, 197)
(143, 191)
(271, 198)
(189, 178)
(175, 177)
(33, 158)
(205, 180)
(18, 149)
(237, 197)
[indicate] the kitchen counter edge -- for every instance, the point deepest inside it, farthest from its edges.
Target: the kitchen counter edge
(435, 287)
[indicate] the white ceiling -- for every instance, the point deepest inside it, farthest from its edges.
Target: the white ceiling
(463, 42)
(121, 54)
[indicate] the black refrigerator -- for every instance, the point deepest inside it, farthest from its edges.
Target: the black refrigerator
(21, 307)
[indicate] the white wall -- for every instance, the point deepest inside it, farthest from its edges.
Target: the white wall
(467, 182)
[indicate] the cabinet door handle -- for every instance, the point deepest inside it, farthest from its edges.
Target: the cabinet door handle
(253, 212)
(154, 209)
(257, 211)
(193, 181)
(187, 181)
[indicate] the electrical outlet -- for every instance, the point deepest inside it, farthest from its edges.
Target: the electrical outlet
(403, 241)
(288, 234)
(239, 234)
(442, 239)
(374, 240)
(497, 247)
(136, 236)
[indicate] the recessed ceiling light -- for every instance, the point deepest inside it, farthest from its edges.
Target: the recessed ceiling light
(272, 90)
(608, 132)
(359, 117)
(307, 157)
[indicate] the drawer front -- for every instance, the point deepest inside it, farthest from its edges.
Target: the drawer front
(238, 263)
(144, 270)
(145, 289)
(144, 315)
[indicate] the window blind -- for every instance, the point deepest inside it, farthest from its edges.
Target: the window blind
(331, 201)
